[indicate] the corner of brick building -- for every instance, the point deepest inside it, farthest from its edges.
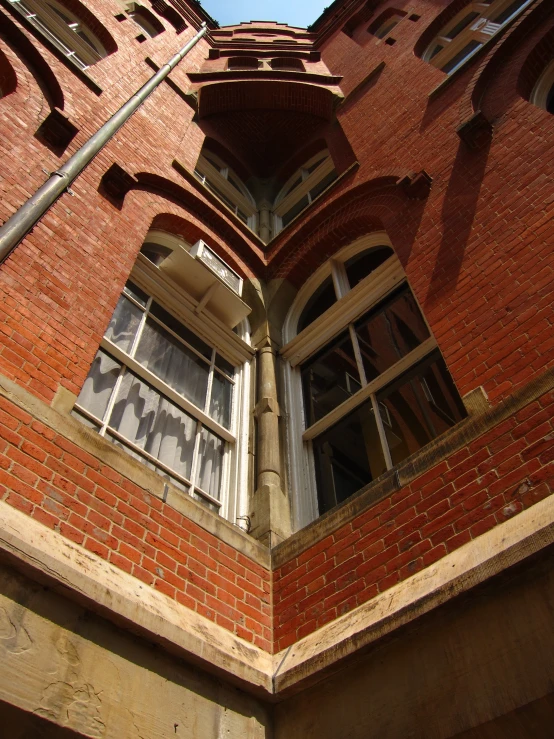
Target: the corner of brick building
(430, 587)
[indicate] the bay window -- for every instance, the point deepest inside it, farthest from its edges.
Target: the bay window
(367, 373)
(165, 394)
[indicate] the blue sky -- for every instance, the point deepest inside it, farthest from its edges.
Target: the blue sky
(294, 12)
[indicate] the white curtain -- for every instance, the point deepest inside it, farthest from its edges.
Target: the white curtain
(173, 363)
(98, 387)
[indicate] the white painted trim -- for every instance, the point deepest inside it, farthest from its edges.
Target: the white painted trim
(544, 85)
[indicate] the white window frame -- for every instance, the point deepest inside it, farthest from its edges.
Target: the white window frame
(543, 88)
(298, 347)
(479, 31)
(387, 25)
(243, 200)
(232, 346)
(64, 36)
(286, 199)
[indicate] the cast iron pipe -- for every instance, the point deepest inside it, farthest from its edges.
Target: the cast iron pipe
(22, 221)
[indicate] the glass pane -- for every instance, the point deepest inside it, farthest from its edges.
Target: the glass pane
(389, 332)
(224, 365)
(212, 449)
(322, 299)
(124, 324)
(419, 406)
(461, 56)
(220, 402)
(314, 166)
(297, 208)
(438, 47)
(148, 463)
(363, 264)
(154, 424)
(329, 379)
(509, 12)
(173, 362)
(177, 327)
(322, 184)
(459, 27)
(347, 457)
(135, 292)
(296, 182)
(98, 387)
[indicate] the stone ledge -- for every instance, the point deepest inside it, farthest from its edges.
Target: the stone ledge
(47, 556)
(326, 650)
(57, 418)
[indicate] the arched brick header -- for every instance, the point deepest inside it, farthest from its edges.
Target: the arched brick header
(367, 208)
(536, 62)
(233, 248)
(8, 78)
(33, 60)
(191, 233)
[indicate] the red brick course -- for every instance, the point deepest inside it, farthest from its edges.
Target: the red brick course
(506, 470)
(57, 483)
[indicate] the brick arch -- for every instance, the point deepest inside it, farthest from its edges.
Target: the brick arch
(34, 62)
(8, 77)
(228, 242)
(369, 207)
(536, 63)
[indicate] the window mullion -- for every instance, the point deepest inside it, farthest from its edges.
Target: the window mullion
(140, 329)
(111, 402)
(381, 430)
(357, 354)
(194, 471)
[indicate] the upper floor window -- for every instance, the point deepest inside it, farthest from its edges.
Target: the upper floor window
(466, 33)
(161, 389)
(543, 92)
(63, 29)
(388, 20)
(216, 175)
(303, 187)
(145, 20)
(367, 372)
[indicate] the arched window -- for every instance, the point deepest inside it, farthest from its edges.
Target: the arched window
(466, 33)
(63, 29)
(145, 20)
(303, 187)
(168, 382)
(543, 92)
(217, 176)
(384, 24)
(365, 369)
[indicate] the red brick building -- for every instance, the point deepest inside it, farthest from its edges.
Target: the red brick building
(276, 434)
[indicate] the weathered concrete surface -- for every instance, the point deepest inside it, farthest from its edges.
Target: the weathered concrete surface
(105, 588)
(66, 665)
(479, 667)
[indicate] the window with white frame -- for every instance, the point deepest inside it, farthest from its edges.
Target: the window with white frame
(165, 392)
(63, 29)
(303, 187)
(367, 372)
(387, 25)
(218, 177)
(465, 34)
(543, 92)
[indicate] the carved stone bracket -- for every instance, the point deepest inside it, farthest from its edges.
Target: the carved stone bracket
(416, 186)
(476, 132)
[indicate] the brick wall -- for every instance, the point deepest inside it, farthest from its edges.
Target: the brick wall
(493, 478)
(56, 482)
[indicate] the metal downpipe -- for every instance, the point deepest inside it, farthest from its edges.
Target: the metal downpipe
(22, 221)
